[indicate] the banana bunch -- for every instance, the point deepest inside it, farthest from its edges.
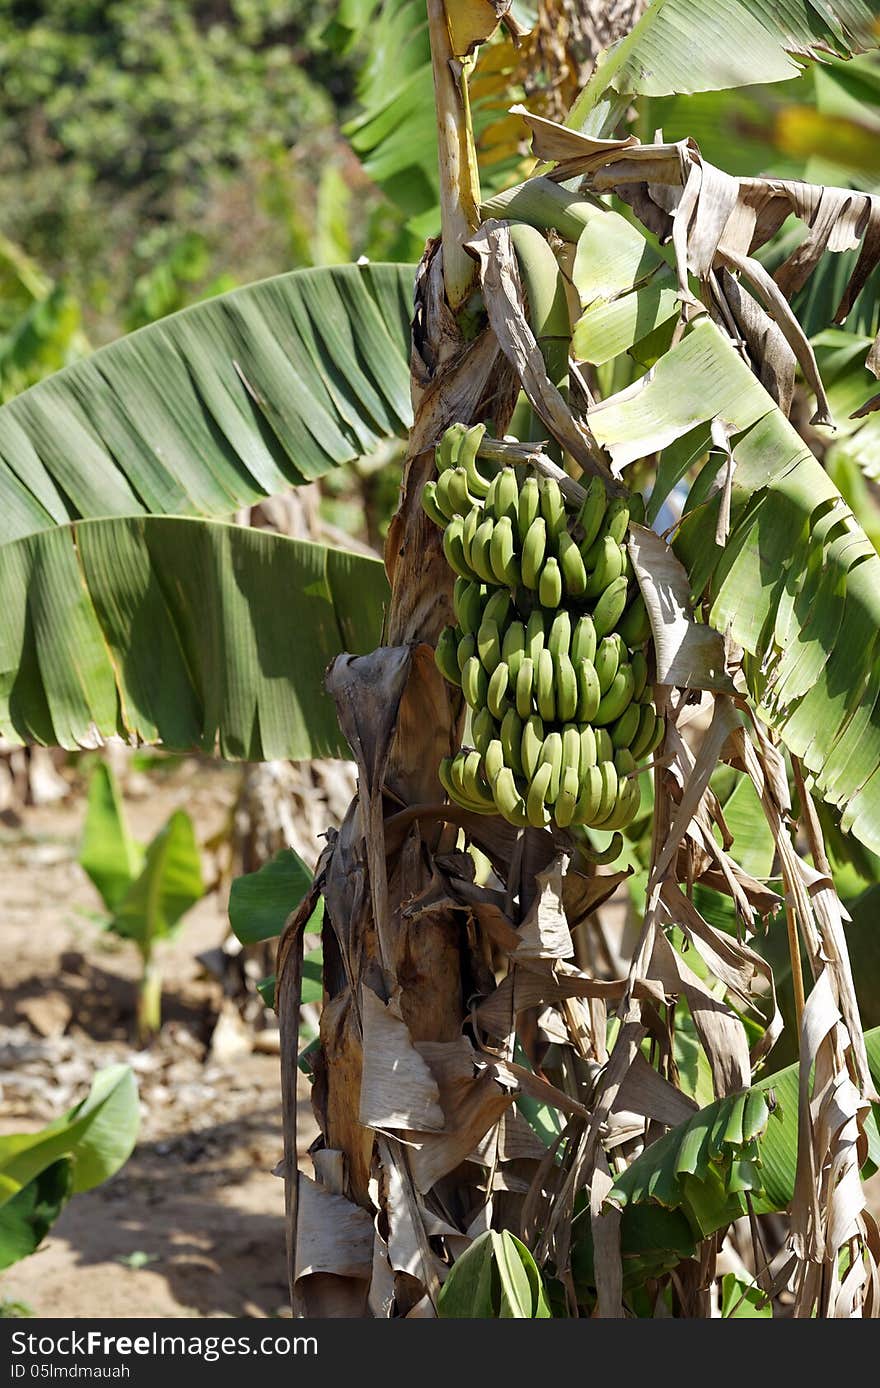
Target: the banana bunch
(548, 646)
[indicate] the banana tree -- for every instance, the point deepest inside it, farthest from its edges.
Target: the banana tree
(469, 1076)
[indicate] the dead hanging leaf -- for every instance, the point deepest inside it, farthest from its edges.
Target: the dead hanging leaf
(544, 933)
(644, 1091)
(381, 1296)
(558, 143)
(767, 345)
(472, 1106)
(472, 22)
(367, 691)
(333, 1235)
(715, 220)
(722, 1035)
(531, 986)
(397, 1087)
(688, 654)
(493, 251)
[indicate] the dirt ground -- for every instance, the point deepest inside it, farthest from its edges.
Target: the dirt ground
(192, 1225)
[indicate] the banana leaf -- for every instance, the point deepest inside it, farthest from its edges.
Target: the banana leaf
(679, 47)
(191, 633)
(26, 1219)
(217, 406)
(744, 1144)
(97, 1135)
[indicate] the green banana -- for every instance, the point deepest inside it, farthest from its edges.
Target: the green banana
(650, 734)
(552, 505)
(637, 508)
(475, 682)
(506, 501)
(449, 775)
(472, 522)
(513, 648)
(659, 732)
(622, 648)
(483, 729)
(511, 740)
(592, 513)
(545, 691)
(628, 796)
(626, 727)
(635, 624)
(444, 775)
(454, 550)
(639, 662)
(589, 694)
(571, 748)
(479, 554)
(609, 791)
(531, 744)
(467, 458)
(466, 772)
(590, 796)
(583, 640)
(489, 645)
(607, 566)
(616, 700)
(528, 507)
(498, 607)
(550, 584)
(493, 760)
(551, 755)
(442, 495)
(567, 688)
(566, 801)
(446, 453)
(535, 634)
(467, 647)
(446, 655)
(559, 635)
(478, 485)
(524, 684)
(606, 613)
(625, 808)
(461, 499)
(644, 732)
(508, 800)
(624, 763)
(604, 745)
(606, 662)
(467, 603)
(617, 519)
(536, 809)
(571, 564)
(502, 554)
(430, 505)
(589, 755)
(534, 548)
(496, 694)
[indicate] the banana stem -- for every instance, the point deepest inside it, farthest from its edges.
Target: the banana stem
(544, 205)
(532, 455)
(459, 178)
(149, 1004)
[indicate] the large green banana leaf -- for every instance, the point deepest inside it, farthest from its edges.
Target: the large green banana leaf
(184, 631)
(678, 46)
(732, 1147)
(214, 407)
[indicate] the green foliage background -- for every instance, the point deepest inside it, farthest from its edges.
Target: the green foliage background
(153, 151)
